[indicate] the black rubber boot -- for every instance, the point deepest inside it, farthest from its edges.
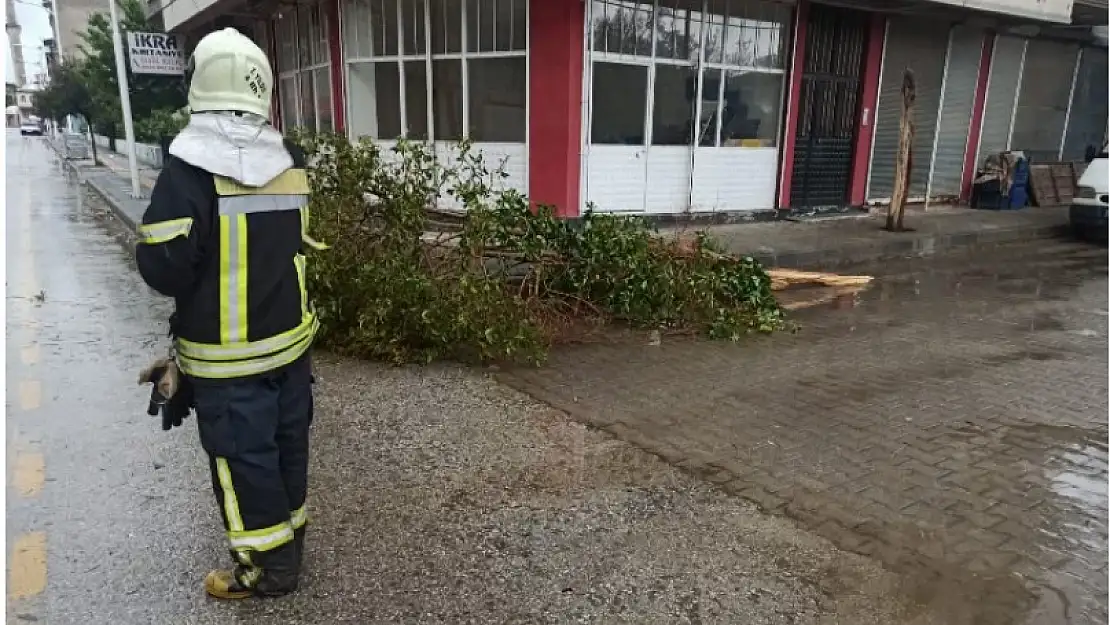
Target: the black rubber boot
(298, 544)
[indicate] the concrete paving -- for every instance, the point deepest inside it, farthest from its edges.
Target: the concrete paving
(436, 495)
(950, 422)
(828, 243)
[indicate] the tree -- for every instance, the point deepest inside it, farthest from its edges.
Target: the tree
(903, 163)
(67, 94)
(148, 93)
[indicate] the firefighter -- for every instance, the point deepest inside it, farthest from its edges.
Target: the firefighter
(225, 235)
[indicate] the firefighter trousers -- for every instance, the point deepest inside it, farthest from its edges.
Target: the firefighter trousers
(255, 432)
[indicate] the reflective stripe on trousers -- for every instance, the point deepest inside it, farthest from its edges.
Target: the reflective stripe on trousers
(256, 434)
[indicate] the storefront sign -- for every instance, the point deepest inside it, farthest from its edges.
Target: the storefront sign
(156, 53)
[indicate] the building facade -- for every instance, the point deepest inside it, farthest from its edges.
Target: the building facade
(70, 20)
(669, 106)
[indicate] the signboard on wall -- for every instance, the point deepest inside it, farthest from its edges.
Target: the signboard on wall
(1058, 11)
(156, 53)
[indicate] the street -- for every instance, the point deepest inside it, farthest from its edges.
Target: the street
(933, 450)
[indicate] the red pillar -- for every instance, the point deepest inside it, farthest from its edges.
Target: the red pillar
(555, 102)
(976, 118)
(789, 131)
(335, 43)
(865, 117)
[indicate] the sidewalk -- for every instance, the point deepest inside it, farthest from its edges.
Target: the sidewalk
(808, 244)
(827, 243)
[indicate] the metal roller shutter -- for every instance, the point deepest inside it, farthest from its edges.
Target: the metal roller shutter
(1043, 104)
(998, 109)
(1087, 120)
(919, 45)
(965, 50)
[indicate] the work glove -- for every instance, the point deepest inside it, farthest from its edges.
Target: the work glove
(171, 394)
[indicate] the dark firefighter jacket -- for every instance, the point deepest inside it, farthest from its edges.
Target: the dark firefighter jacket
(233, 258)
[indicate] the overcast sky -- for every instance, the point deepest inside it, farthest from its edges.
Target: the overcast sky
(36, 28)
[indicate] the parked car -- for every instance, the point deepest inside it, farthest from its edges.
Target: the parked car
(1088, 207)
(30, 128)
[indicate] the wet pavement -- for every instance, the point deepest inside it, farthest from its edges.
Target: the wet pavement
(436, 495)
(949, 422)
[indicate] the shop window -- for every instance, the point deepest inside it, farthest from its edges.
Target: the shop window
(710, 103)
(622, 27)
(373, 89)
(307, 117)
(479, 68)
(416, 99)
(675, 91)
(446, 26)
(412, 25)
(750, 111)
(619, 98)
(734, 47)
(383, 21)
(498, 99)
(678, 29)
(447, 108)
(321, 79)
(287, 88)
(304, 73)
(496, 25)
(751, 33)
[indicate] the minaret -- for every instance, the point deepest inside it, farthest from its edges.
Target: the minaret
(13, 29)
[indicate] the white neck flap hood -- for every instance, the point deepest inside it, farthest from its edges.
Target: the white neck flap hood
(242, 147)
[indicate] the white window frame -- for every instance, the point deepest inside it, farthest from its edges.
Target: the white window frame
(319, 58)
(700, 65)
(353, 58)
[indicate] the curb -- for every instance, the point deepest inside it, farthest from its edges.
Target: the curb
(98, 185)
(916, 247)
(98, 178)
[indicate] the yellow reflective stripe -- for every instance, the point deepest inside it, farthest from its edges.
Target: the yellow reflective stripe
(293, 181)
(242, 368)
(225, 278)
(298, 518)
(245, 350)
(153, 234)
(249, 577)
(231, 502)
(241, 279)
(233, 278)
(313, 243)
(245, 204)
(308, 240)
(299, 265)
(263, 539)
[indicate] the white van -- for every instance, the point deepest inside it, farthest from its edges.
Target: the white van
(1088, 207)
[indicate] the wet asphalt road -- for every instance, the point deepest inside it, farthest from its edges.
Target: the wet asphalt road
(439, 496)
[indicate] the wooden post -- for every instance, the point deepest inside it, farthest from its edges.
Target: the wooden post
(904, 161)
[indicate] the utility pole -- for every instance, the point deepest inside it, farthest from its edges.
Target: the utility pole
(125, 102)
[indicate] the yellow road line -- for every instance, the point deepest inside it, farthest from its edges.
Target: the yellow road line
(29, 474)
(27, 576)
(30, 394)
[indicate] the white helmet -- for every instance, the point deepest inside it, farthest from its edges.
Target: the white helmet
(230, 73)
